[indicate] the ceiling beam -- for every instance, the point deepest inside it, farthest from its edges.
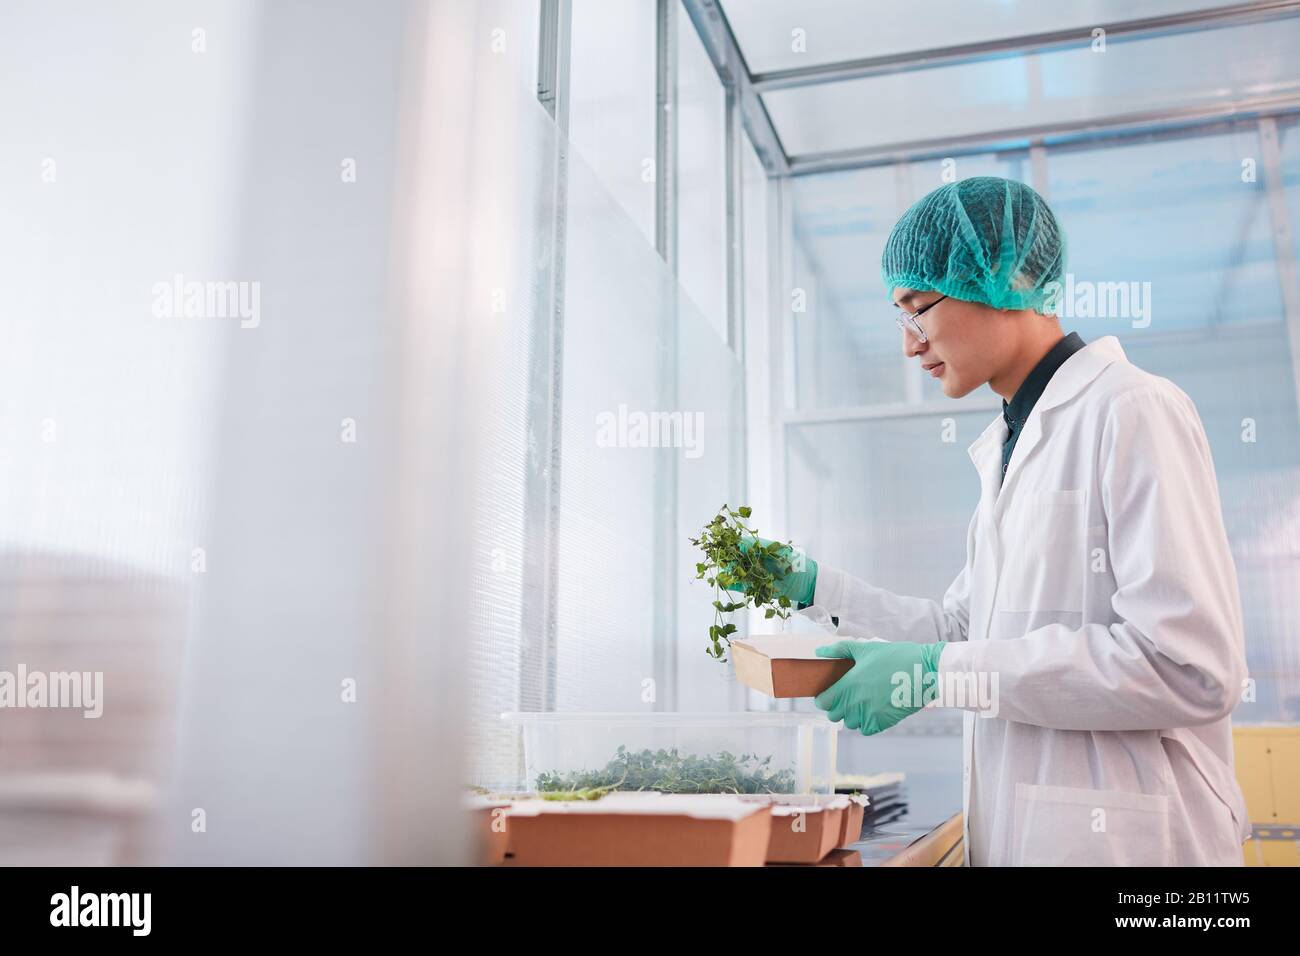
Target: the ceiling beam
(1049, 134)
(720, 44)
(1143, 28)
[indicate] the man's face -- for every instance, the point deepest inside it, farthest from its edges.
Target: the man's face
(966, 342)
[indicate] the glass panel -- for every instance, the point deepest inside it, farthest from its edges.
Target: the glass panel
(1165, 73)
(612, 101)
(1173, 213)
(199, 487)
(779, 35)
(759, 385)
(1175, 225)
(1243, 386)
(848, 349)
(496, 672)
(617, 308)
(888, 500)
(711, 389)
(1289, 142)
(624, 316)
(845, 342)
(701, 177)
(1268, 562)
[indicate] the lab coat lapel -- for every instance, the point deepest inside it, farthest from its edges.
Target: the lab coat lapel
(1031, 433)
(1074, 375)
(986, 454)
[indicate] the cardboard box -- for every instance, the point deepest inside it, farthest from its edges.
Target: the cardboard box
(804, 834)
(640, 829)
(786, 665)
(854, 814)
(491, 838)
(487, 816)
(805, 826)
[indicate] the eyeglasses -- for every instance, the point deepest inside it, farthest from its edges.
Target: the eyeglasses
(907, 320)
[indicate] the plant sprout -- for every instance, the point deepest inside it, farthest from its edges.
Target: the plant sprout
(754, 571)
(668, 771)
(576, 793)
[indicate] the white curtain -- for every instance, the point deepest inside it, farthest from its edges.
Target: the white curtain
(245, 509)
(290, 337)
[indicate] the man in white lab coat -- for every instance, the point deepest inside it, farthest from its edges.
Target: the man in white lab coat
(1094, 637)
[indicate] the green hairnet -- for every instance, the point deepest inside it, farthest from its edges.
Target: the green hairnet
(982, 239)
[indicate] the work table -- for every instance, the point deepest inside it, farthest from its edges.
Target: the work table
(930, 814)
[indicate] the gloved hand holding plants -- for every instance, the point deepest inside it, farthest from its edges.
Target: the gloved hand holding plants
(767, 575)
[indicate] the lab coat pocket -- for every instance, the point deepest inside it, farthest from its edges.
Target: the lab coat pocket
(1072, 826)
(1046, 552)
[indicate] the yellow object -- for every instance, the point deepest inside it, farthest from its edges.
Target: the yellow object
(942, 846)
(1268, 770)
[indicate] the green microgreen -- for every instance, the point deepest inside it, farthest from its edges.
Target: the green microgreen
(753, 572)
(669, 771)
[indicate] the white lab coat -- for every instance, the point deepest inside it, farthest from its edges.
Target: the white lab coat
(1099, 592)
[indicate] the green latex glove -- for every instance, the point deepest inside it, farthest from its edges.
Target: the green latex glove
(799, 585)
(871, 698)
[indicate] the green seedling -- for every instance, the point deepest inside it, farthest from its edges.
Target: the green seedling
(668, 771)
(754, 572)
(581, 793)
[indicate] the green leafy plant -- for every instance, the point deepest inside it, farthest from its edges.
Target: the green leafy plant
(754, 571)
(578, 793)
(668, 771)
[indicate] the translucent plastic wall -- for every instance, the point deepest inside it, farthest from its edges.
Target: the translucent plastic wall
(290, 515)
(111, 182)
(617, 415)
(629, 328)
(268, 277)
(349, 405)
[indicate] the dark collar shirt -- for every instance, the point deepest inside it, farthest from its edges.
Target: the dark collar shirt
(1016, 411)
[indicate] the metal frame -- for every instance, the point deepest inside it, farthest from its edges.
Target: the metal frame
(719, 40)
(989, 402)
(664, 619)
(913, 383)
(893, 410)
(666, 133)
(734, 224)
(1283, 240)
(1051, 134)
(738, 460)
(1118, 31)
(720, 44)
(553, 37)
(780, 266)
(546, 380)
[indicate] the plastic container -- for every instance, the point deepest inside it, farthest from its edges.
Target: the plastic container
(688, 753)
